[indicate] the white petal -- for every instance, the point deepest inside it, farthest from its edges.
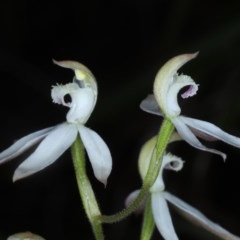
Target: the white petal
(190, 138)
(98, 153)
(170, 162)
(150, 105)
(165, 78)
(162, 217)
(196, 216)
(48, 151)
(25, 236)
(172, 108)
(59, 91)
(23, 144)
(212, 130)
(82, 105)
(82, 73)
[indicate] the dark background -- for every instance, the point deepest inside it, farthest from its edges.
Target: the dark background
(124, 43)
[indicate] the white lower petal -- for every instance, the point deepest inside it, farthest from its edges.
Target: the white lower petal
(23, 144)
(190, 138)
(98, 153)
(162, 216)
(198, 218)
(212, 130)
(48, 151)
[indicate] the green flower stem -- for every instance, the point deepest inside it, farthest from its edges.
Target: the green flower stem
(85, 189)
(164, 136)
(148, 221)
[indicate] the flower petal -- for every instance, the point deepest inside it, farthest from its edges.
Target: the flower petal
(82, 73)
(162, 217)
(150, 105)
(211, 130)
(190, 138)
(52, 147)
(172, 108)
(98, 153)
(198, 218)
(165, 78)
(170, 162)
(23, 144)
(59, 91)
(83, 103)
(145, 156)
(25, 236)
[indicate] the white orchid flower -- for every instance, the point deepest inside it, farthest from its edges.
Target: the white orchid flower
(160, 197)
(164, 102)
(25, 236)
(56, 140)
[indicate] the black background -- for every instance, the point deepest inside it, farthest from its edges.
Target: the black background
(124, 43)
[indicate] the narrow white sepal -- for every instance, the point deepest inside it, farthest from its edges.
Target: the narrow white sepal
(48, 151)
(191, 139)
(211, 130)
(198, 218)
(98, 153)
(23, 144)
(162, 216)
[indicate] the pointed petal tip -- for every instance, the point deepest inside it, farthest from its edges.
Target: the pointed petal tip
(224, 156)
(105, 184)
(194, 55)
(16, 177)
(20, 174)
(103, 180)
(61, 63)
(54, 61)
(184, 58)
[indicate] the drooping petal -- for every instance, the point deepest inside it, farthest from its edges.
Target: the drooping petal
(198, 218)
(48, 151)
(23, 144)
(98, 153)
(191, 139)
(162, 217)
(211, 130)
(165, 79)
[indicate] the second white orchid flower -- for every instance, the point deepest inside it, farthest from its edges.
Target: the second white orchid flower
(54, 141)
(164, 102)
(160, 198)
